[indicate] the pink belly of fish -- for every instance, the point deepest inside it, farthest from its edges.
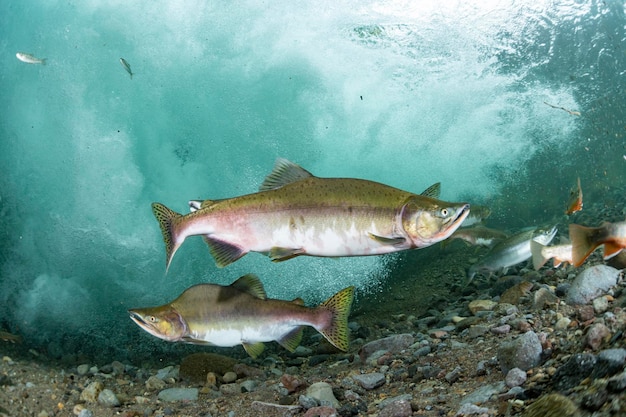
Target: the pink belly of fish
(315, 239)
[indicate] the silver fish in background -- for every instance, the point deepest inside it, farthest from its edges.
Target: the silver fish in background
(296, 213)
(241, 314)
(30, 59)
(126, 66)
(511, 251)
(477, 215)
(476, 236)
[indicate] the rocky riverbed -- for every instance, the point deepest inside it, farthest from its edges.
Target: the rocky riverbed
(528, 343)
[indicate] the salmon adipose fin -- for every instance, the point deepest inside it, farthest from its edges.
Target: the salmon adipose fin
(167, 221)
(337, 331)
(582, 245)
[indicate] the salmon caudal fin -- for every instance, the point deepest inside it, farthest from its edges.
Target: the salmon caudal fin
(336, 332)
(582, 244)
(167, 221)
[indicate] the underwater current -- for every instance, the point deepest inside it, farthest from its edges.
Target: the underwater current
(505, 103)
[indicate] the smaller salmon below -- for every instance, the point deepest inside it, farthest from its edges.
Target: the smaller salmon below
(241, 314)
(575, 202)
(561, 254)
(477, 215)
(8, 337)
(476, 236)
(126, 66)
(586, 239)
(30, 59)
(511, 251)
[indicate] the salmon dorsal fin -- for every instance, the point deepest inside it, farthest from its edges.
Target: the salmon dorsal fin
(250, 284)
(433, 191)
(284, 172)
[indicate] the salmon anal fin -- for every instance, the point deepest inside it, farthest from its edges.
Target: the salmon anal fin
(223, 253)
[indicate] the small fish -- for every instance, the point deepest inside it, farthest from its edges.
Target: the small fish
(8, 337)
(30, 59)
(575, 202)
(241, 314)
(126, 66)
(476, 216)
(296, 213)
(586, 239)
(562, 254)
(511, 251)
(477, 236)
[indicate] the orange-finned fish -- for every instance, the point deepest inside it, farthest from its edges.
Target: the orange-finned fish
(296, 213)
(241, 314)
(575, 202)
(586, 239)
(562, 254)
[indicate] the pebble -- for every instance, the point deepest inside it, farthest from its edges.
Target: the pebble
(503, 329)
(454, 375)
(609, 362)
(523, 352)
(469, 409)
(229, 377)
(392, 344)
(591, 283)
(600, 304)
(400, 408)
(230, 389)
(154, 383)
(515, 378)
(552, 405)
(598, 334)
(82, 369)
(108, 398)
(562, 323)
(572, 372)
(370, 381)
(484, 393)
(85, 413)
(90, 394)
(323, 392)
(178, 394)
(307, 402)
(481, 305)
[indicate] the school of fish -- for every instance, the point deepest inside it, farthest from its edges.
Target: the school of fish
(295, 213)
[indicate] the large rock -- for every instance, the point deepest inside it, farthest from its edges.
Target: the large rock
(591, 283)
(523, 353)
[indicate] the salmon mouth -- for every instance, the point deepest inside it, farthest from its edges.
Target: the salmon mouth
(454, 224)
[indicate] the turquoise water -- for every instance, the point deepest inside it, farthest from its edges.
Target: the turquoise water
(483, 96)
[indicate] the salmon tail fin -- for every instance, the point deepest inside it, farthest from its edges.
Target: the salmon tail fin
(167, 221)
(582, 245)
(536, 249)
(336, 332)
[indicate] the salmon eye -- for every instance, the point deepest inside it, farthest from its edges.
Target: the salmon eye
(444, 212)
(153, 319)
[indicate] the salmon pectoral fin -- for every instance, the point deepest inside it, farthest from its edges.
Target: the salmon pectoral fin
(224, 253)
(277, 254)
(291, 340)
(392, 241)
(254, 349)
